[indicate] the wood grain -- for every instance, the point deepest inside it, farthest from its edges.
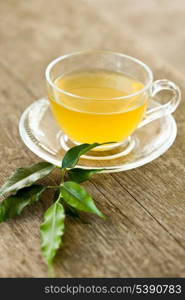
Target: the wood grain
(144, 233)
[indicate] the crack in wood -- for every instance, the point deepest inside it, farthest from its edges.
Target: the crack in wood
(176, 240)
(125, 216)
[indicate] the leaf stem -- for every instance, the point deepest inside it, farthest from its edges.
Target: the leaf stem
(51, 272)
(63, 171)
(53, 186)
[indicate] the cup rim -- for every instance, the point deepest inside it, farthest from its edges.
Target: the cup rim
(62, 57)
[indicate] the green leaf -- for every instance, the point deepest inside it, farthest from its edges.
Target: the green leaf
(14, 205)
(76, 196)
(51, 231)
(72, 155)
(24, 177)
(79, 175)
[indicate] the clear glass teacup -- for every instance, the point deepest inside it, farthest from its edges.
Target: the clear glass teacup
(103, 96)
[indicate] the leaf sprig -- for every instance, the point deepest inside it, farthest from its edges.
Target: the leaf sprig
(69, 198)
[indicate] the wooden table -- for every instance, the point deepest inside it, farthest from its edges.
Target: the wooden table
(144, 233)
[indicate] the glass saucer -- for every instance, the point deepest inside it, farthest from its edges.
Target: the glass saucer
(41, 135)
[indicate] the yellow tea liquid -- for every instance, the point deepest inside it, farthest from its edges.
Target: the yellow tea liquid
(97, 114)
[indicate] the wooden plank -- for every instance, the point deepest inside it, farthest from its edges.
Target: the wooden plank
(144, 232)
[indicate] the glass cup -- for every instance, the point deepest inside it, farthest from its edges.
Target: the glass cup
(86, 119)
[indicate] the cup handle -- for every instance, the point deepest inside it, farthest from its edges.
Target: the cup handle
(163, 109)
